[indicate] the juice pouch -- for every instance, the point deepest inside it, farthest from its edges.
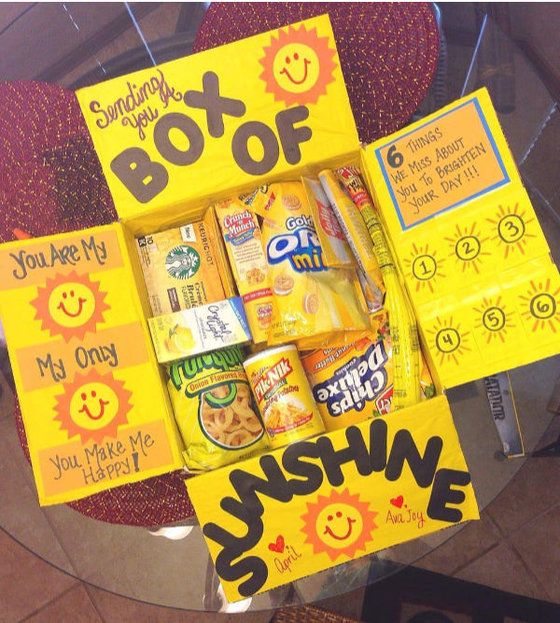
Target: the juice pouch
(180, 268)
(242, 236)
(308, 299)
(214, 409)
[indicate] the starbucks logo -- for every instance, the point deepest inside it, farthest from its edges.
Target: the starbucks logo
(182, 262)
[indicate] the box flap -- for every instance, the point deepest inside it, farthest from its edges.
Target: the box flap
(95, 411)
(468, 242)
(231, 116)
(312, 505)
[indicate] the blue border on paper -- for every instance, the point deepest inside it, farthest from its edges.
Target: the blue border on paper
(505, 180)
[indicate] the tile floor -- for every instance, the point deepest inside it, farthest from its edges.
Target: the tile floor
(515, 546)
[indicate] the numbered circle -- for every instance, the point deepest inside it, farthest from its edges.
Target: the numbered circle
(424, 267)
(511, 228)
(494, 319)
(448, 340)
(543, 306)
(467, 248)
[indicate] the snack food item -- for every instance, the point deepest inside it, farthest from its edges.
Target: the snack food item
(242, 236)
(350, 178)
(346, 382)
(214, 409)
(199, 330)
(180, 268)
(283, 284)
(336, 252)
(356, 382)
(354, 228)
(283, 395)
(310, 301)
(369, 291)
(405, 332)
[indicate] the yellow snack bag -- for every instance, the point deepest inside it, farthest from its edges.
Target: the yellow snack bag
(242, 237)
(336, 251)
(354, 382)
(354, 228)
(309, 299)
(369, 292)
(180, 268)
(214, 409)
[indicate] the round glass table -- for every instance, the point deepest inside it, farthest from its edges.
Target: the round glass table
(170, 565)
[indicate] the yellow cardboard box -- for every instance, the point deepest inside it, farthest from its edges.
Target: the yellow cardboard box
(174, 139)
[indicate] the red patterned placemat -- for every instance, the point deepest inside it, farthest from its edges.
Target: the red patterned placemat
(388, 51)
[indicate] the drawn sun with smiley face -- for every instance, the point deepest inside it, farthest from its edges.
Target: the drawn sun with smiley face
(338, 524)
(70, 305)
(93, 406)
(298, 65)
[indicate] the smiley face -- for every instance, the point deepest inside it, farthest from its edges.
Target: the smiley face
(339, 525)
(287, 73)
(71, 304)
(329, 530)
(94, 405)
(296, 67)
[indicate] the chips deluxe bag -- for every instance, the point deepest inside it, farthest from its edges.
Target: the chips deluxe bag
(214, 409)
(354, 382)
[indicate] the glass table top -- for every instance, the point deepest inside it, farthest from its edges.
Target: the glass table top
(170, 565)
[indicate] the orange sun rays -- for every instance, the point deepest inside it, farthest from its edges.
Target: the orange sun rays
(70, 305)
(338, 524)
(93, 406)
(303, 48)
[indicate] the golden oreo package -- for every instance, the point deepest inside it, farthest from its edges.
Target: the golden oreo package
(242, 237)
(355, 382)
(309, 299)
(180, 268)
(214, 409)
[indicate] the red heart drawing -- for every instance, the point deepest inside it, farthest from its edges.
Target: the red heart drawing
(278, 546)
(398, 502)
